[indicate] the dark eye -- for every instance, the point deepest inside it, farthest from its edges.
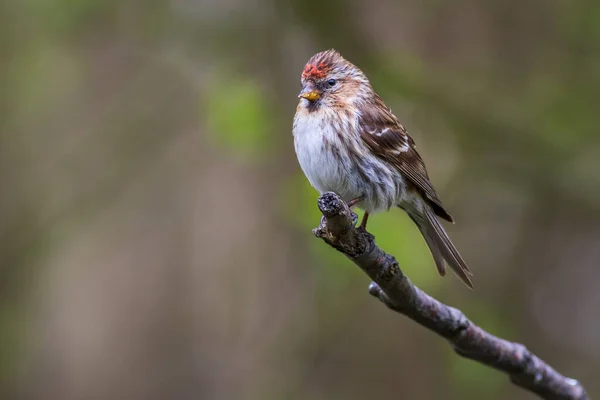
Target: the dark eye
(331, 82)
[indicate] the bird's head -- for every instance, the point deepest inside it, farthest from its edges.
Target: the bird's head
(331, 81)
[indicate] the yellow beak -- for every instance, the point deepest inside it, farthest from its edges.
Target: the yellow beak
(310, 95)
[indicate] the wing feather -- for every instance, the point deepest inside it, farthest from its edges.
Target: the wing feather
(388, 139)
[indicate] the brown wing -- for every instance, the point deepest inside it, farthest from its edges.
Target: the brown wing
(388, 139)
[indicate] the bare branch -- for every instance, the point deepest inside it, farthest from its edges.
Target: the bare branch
(396, 291)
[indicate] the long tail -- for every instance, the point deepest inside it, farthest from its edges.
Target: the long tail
(441, 247)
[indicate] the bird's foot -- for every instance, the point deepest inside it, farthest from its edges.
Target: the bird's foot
(354, 218)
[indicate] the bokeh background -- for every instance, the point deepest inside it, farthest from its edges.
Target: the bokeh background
(155, 227)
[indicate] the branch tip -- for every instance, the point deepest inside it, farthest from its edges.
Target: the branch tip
(330, 204)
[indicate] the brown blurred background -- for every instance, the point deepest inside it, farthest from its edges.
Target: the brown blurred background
(155, 226)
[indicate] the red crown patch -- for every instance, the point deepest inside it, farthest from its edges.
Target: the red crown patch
(316, 71)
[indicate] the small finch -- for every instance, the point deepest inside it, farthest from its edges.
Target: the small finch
(349, 142)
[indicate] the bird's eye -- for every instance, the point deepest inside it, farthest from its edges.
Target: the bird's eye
(331, 82)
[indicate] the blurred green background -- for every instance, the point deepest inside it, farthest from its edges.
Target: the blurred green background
(155, 226)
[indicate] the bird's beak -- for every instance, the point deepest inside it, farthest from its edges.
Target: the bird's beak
(309, 94)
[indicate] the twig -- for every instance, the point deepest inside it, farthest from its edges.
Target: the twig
(396, 291)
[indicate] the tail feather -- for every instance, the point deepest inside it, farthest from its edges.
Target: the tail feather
(438, 257)
(441, 247)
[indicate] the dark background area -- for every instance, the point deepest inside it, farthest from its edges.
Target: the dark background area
(155, 226)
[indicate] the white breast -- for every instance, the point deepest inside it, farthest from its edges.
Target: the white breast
(316, 159)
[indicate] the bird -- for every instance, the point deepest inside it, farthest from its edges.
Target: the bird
(349, 142)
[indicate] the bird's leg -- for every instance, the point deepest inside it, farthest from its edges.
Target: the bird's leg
(363, 223)
(353, 202)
